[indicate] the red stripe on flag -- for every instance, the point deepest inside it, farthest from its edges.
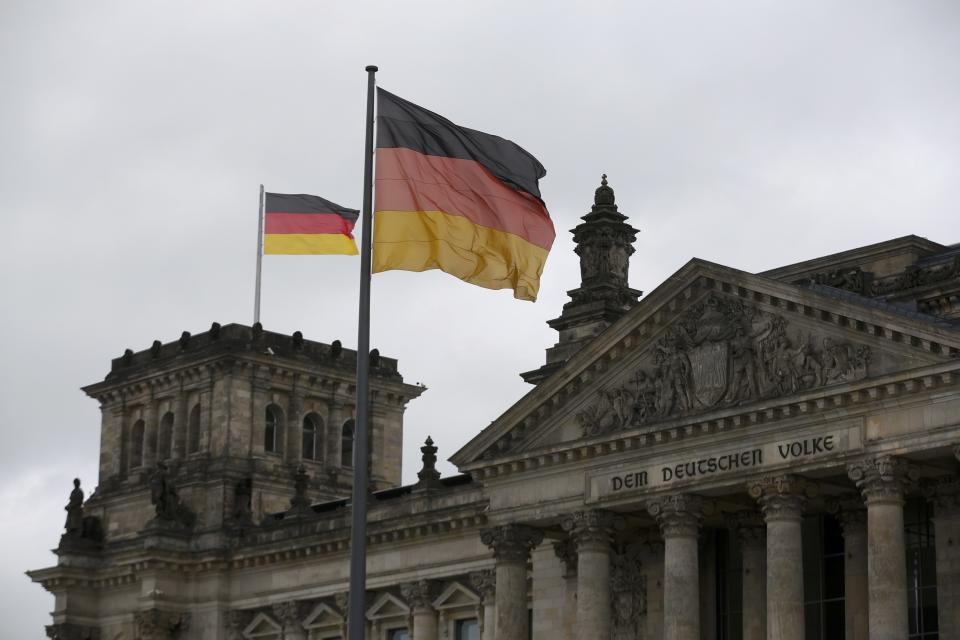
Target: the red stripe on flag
(306, 223)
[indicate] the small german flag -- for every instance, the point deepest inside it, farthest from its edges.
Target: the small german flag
(301, 224)
(456, 199)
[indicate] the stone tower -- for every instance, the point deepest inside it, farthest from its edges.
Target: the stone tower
(604, 242)
(239, 420)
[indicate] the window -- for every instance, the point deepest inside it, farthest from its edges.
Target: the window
(346, 444)
(729, 565)
(136, 445)
(166, 436)
(312, 430)
(398, 634)
(193, 430)
(823, 578)
(467, 630)
(921, 570)
(271, 429)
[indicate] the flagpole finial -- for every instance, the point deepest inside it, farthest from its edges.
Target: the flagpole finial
(372, 67)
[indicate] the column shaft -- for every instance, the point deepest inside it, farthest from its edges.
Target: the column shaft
(511, 546)
(853, 521)
(679, 517)
(424, 624)
(882, 481)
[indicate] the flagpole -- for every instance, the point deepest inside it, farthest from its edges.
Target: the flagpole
(256, 294)
(358, 529)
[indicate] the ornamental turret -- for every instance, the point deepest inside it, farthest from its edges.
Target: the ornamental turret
(604, 242)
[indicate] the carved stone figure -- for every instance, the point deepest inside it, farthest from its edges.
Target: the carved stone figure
(74, 509)
(720, 353)
(166, 502)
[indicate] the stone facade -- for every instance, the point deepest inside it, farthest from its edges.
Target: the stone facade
(734, 455)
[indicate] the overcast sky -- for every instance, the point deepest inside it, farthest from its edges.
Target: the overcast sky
(134, 135)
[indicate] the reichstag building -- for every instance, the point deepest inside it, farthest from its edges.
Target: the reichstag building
(732, 456)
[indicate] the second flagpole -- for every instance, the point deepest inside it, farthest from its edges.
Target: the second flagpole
(358, 527)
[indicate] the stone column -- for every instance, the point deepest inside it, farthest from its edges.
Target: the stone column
(178, 443)
(419, 596)
(333, 435)
(485, 583)
(853, 521)
(781, 500)
(751, 534)
(945, 496)
(288, 613)
(293, 438)
(511, 544)
(882, 480)
(566, 552)
(591, 532)
(679, 518)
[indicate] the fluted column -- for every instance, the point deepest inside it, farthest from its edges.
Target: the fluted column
(485, 584)
(781, 500)
(419, 596)
(852, 516)
(751, 534)
(511, 545)
(679, 517)
(945, 496)
(882, 480)
(591, 532)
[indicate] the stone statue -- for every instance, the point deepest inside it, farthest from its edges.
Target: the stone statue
(166, 502)
(74, 509)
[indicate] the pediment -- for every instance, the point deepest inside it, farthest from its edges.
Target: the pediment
(455, 595)
(262, 626)
(323, 615)
(713, 339)
(387, 606)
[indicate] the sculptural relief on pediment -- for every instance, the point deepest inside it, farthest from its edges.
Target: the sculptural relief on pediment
(721, 353)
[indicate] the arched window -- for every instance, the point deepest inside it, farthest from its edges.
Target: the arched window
(193, 430)
(166, 436)
(271, 429)
(346, 444)
(136, 444)
(312, 430)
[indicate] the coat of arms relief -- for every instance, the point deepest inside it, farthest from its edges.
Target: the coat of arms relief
(721, 353)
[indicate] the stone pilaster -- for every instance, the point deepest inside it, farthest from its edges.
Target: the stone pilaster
(511, 545)
(944, 494)
(591, 532)
(150, 430)
(849, 510)
(419, 596)
(293, 451)
(679, 517)
(289, 616)
(781, 500)
(333, 437)
(485, 584)
(882, 480)
(751, 534)
(160, 625)
(178, 444)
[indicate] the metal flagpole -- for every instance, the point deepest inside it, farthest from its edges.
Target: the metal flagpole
(358, 529)
(256, 294)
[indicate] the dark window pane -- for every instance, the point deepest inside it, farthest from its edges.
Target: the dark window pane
(833, 577)
(833, 620)
(398, 634)
(811, 618)
(467, 630)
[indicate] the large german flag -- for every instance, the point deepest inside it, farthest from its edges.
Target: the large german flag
(459, 200)
(303, 224)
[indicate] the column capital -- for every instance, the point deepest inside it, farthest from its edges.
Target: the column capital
(419, 595)
(850, 511)
(592, 527)
(678, 515)
(882, 478)
(512, 542)
(485, 583)
(781, 497)
(944, 494)
(288, 613)
(566, 551)
(749, 527)
(155, 624)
